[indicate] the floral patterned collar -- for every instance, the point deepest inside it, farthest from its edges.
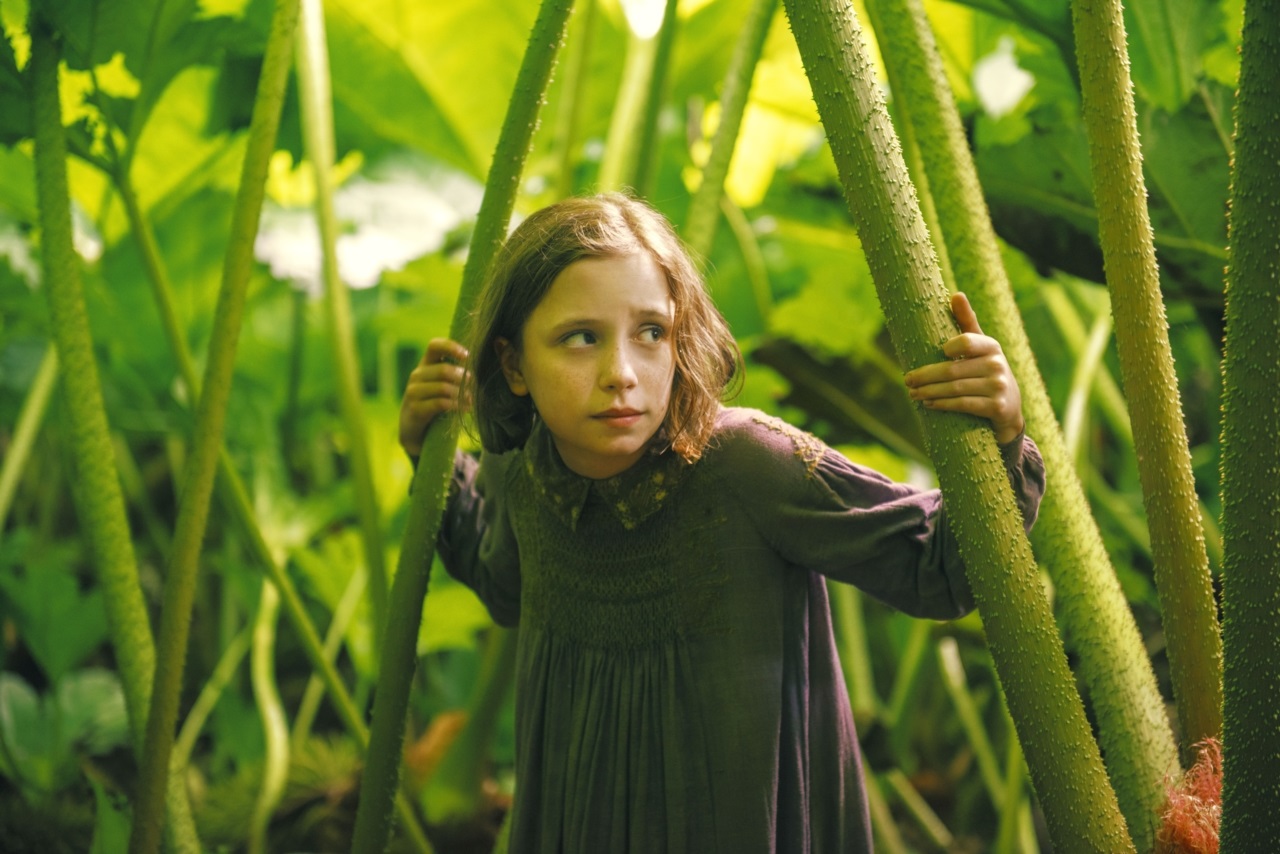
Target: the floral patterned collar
(632, 496)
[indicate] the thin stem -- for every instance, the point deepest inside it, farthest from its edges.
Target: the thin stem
(575, 78)
(317, 124)
(855, 653)
(275, 768)
(752, 258)
(30, 418)
(179, 592)
(618, 166)
(953, 679)
(919, 810)
(1082, 381)
(342, 616)
(704, 210)
(210, 692)
(435, 467)
(646, 142)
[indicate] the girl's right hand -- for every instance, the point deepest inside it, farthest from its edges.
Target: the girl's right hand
(433, 388)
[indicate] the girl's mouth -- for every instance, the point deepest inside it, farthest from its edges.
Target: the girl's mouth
(618, 417)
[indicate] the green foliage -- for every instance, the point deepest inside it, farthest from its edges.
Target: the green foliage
(46, 736)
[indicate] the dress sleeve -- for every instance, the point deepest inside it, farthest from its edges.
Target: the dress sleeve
(894, 541)
(476, 543)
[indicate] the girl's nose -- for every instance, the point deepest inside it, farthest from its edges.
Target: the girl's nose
(618, 371)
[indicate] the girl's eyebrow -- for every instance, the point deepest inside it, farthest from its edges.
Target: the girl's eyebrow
(646, 314)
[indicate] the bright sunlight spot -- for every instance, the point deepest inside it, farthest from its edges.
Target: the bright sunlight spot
(999, 82)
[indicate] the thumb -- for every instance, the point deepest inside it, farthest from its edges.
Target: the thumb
(964, 314)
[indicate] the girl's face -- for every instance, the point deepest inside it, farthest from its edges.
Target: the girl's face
(598, 359)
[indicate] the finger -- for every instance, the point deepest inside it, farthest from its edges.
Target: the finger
(965, 316)
(982, 407)
(436, 373)
(988, 387)
(969, 345)
(978, 366)
(444, 350)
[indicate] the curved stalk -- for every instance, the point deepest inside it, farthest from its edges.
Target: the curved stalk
(317, 124)
(1134, 729)
(1250, 418)
(1080, 805)
(24, 432)
(179, 591)
(275, 769)
(1146, 367)
(704, 210)
(435, 466)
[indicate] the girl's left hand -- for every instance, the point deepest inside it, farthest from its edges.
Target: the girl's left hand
(976, 380)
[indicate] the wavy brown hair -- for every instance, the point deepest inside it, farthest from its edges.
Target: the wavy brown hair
(601, 226)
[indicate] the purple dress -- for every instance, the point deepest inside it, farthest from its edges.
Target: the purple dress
(678, 688)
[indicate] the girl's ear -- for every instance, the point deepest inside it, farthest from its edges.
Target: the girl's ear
(509, 359)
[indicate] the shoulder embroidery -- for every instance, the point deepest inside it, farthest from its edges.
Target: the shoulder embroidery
(808, 447)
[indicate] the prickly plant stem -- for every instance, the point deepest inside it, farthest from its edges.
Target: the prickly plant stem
(1066, 766)
(435, 465)
(179, 592)
(30, 418)
(1146, 367)
(1134, 728)
(1250, 453)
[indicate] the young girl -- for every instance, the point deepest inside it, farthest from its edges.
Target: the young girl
(678, 688)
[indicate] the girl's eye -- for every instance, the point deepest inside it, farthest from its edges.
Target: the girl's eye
(581, 338)
(653, 334)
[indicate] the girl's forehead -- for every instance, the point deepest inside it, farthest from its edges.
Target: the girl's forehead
(633, 281)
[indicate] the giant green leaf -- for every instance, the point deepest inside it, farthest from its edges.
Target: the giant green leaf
(463, 56)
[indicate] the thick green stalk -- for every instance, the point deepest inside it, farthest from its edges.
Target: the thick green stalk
(99, 499)
(98, 495)
(1080, 806)
(317, 123)
(1134, 729)
(231, 490)
(704, 210)
(201, 467)
(454, 793)
(646, 139)
(1146, 367)
(1251, 453)
(435, 466)
(24, 432)
(275, 763)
